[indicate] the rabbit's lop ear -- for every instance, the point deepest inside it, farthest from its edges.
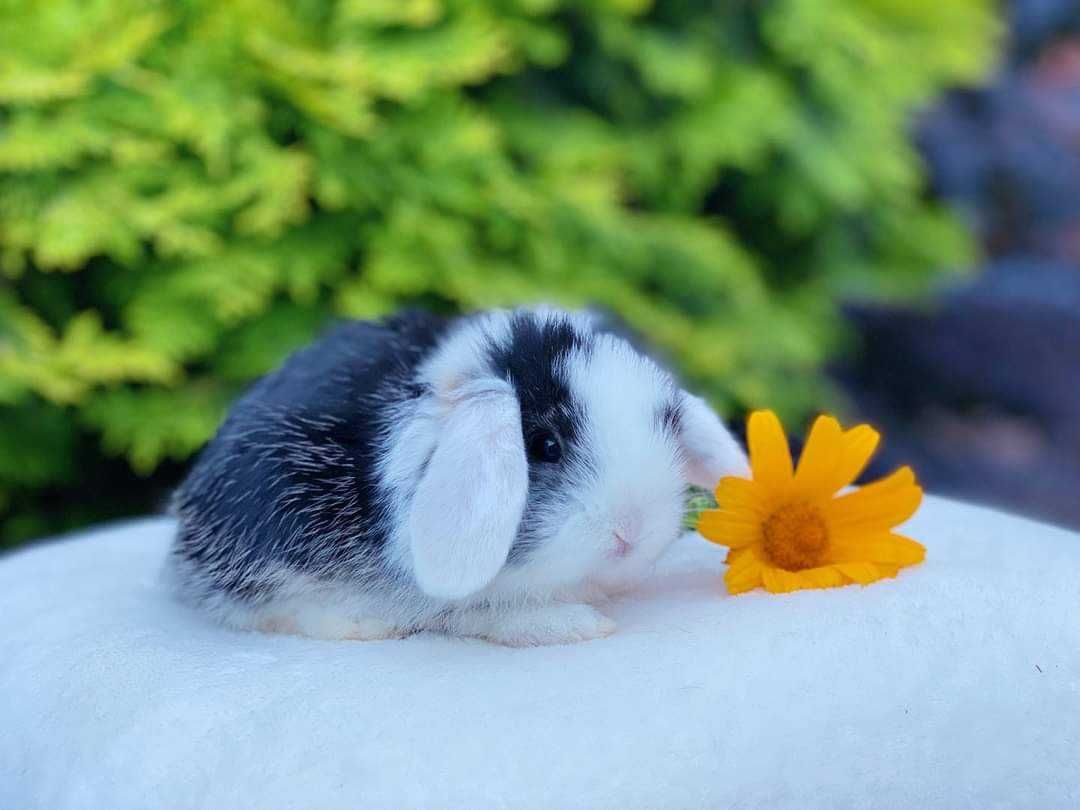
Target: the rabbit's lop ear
(468, 504)
(711, 451)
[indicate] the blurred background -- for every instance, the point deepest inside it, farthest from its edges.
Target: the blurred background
(868, 207)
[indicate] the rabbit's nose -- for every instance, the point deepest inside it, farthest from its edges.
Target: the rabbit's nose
(622, 546)
(626, 532)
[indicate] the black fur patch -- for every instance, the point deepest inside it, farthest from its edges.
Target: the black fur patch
(669, 418)
(533, 361)
(290, 478)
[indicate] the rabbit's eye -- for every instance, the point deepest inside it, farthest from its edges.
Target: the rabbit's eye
(544, 446)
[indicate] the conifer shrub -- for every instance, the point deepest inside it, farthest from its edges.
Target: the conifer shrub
(190, 189)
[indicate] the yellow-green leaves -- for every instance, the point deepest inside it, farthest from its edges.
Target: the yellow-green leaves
(189, 190)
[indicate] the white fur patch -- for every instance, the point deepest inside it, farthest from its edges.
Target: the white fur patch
(535, 625)
(463, 353)
(467, 508)
(620, 502)
(711, 450)
(623, 497)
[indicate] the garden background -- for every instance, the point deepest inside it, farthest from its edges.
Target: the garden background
(864, 206)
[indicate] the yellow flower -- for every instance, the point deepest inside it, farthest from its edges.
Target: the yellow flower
(789, 530)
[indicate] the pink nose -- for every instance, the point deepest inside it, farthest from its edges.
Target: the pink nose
(627, 529)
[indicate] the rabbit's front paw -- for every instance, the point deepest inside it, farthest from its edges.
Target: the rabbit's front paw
(537, 625)
(330, 626)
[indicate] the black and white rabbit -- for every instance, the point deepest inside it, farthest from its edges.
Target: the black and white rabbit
(482, 476)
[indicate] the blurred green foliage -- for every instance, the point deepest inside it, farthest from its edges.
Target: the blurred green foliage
(189, 189)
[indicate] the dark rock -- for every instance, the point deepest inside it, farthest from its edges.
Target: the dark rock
(982, 395)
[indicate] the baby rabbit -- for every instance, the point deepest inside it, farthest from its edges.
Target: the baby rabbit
(480, 476)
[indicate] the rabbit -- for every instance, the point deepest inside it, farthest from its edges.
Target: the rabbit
(485, 476)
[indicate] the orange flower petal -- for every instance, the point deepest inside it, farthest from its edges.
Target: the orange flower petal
(819, 455)
(777, 580)
(890, 549)
(735, 588)
(825, 576)
(770, 456)
(875, 507)
(832, 459)
(859, 445)
(734, 554)
(739, 559)
(862, 572)
(897, 479)
(744, 571)
(741, 494)
(728, 528)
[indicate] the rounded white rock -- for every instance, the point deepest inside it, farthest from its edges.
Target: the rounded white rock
(956, 684)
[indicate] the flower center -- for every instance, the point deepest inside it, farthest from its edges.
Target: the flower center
(795, 537)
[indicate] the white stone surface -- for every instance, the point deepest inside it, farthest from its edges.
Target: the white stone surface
(956, 685)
